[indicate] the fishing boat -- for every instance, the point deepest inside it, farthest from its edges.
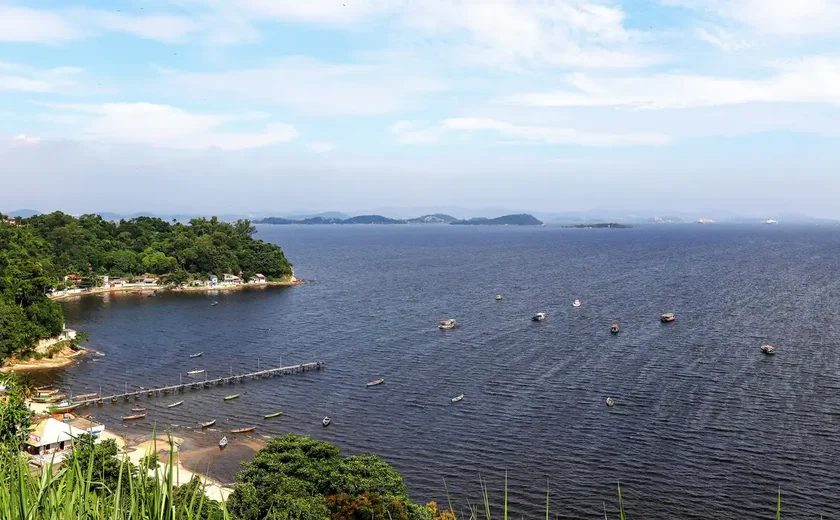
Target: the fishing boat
(668, 317)
(197, 354)
(374, 383)
(576, 303)
(223, 443)
(326, 421)
(614, 328)
(195, 372)
(447, 324)
(459, 398)
(498, 297)
(231, 397)
(138, 410)
(134, 417)
(768, 349)
(610, 402)
(208, 423)
(243, 430)
(214, 304)
(272, 415)
(173, 405)
(540, 316)
(49, 399)
(47, 390)
(63, 407)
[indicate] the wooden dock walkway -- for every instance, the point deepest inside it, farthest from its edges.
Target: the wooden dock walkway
(194, 384)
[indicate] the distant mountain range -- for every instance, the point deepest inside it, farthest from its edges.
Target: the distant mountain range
(437, 218)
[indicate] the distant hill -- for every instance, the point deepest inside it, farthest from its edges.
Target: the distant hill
(23, 213)
(276, 220)
(437, 218)
(330, 215)
(521, 219)
(314, 220)
(372, 219)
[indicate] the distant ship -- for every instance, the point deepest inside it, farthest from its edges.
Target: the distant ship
(770, 221)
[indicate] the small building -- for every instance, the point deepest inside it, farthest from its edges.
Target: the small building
(73, 278)
(213, 281)
(232, 278)
(112, 281)
(54, 438)
(67, 334)
(258, 278)
(149, 281)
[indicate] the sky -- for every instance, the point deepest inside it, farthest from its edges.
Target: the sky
(282, 106)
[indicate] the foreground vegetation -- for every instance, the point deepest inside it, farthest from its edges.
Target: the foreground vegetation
(37, 253)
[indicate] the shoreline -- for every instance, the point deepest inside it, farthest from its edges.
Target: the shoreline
(145, 289)
(59, 360)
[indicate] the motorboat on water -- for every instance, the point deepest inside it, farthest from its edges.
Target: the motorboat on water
(447, 324)
(325, 421)
(540, 316)
(223, 443)
(668, 317)
(173, 405)
(498, 297)
(195, 372)
(768, 349)
(458, 398)
(576, 303)
(374, 383)
(197, 354)
(610, 402)
(614, 328)
(231, 397)
(214, 304)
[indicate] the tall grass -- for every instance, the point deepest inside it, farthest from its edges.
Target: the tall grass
(71, 493)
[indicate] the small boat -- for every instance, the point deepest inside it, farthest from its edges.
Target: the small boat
(374, 383)
(447, 324)
(272, 415)
(576, 303)
(244, 430)
(214, 304)
(138, 410)
(614, 328)
(231, 397)
(47, 390)
(195, 372)
(668, 317)
(768, 349)
(197, 354)
(540, 316)
(326, 421)
(49, 399)
(498, 297)
(63, 407)
(223, 443)
(134, 417)
(173, 405)
(459, 398)
(208, 423)
(610, 402)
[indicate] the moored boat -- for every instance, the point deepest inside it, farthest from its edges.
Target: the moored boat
(768, 349)
(244, 430)
(214, 304)
(272, 415)
(223, 443)
(54, 398)
(458, 398)
(447, 324)
(610, 402)
(325, 421)
(195, 372)
(173, 405)
(614, 328)
(576, 303)
(374, 383)
(231, 397)
(540, 316)
(208, 423)
(134, 417)
(47, 390)
(138, 410)
(668, 317)
(197, 354)
(63, 407)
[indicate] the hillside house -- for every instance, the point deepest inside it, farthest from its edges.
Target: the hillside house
(232, 279)
(53, 438)
(257, 278)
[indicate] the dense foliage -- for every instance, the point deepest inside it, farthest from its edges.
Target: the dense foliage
(37, 253)
(299, 478)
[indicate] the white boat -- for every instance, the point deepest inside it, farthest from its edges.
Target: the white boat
(498, 297)
(540, 316)
(223, 442)
(576, 303)
(375, 383)
(447, 324)
(197, 354)
(768, 349)
(326, 421)
(173, 405)
(770, 221)
(458, 398)
(195, 372)
(610, 402)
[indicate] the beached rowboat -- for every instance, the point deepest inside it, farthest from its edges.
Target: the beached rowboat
(244, 430)
(134, 417)
(208, 423)
(272, 415)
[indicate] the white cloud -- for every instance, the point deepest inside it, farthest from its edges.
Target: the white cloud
(168, 126)
(320, 147)
(810, 80)
(722, 39)
(23, 78)
(26, 140)
(163, 28)
(21, 24)
(774, 17)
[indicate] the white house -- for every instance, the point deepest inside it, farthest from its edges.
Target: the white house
(213, 281)
(257, 278)
(232, 278)
(53, 438)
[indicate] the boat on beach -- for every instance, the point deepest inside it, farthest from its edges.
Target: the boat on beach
(63, 407)
(195, 372)
(614, 328)
(668, 317)
(447, 324)
(244, 430)
(231, 397)
(54, 398)
(47, 390)
(325, 421)
(610, 402)
(134, 417)
(540, 316)
(173, 405)
(208, 423)
(272, 415)
(223, 443)
(374, 383)
(138, 410)
(458, 398)
(197, 354)
(768, 349)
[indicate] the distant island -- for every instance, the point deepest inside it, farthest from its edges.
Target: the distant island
(601, 225)
(437, 218)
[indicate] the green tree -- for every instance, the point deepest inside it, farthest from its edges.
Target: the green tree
(15, 416)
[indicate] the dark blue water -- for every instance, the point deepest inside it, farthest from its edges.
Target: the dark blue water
(705, 426)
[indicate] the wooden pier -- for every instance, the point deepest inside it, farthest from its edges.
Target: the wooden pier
(194, 384)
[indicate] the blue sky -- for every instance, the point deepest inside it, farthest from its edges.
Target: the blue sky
(551, 105)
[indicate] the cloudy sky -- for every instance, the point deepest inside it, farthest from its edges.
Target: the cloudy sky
(552, 105)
